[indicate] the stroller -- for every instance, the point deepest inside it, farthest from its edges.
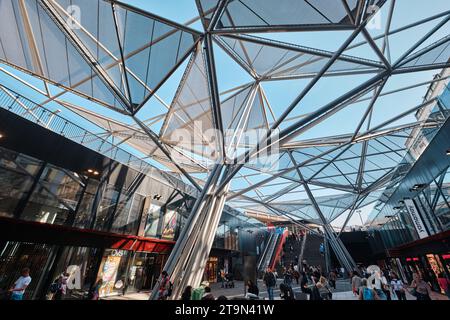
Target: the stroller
(229, 282)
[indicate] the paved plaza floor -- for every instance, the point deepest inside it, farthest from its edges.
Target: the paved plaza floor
(342, 292)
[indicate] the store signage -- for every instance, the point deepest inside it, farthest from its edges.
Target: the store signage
(116, 253)
(415, 217)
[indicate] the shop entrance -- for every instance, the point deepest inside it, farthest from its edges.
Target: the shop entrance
(211, 269)
(142, 272)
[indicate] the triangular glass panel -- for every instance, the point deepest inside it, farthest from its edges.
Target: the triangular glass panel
(270, 59)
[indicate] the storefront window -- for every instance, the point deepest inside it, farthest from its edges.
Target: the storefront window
(141, 273)
(211, 269)
(437, 268)
(153, 220)
(54, 198)
(231, 240)
(79, 264)
(112, 272)
(126, 219)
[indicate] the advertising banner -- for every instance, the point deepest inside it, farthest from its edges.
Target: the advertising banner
(416, 218)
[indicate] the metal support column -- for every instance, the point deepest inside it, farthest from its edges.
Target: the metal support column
(341, 253)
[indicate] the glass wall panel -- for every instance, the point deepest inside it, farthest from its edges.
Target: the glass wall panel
(106, 209)
(85, 211)
(134, 218)
(127, 217)
(79, 264)
(153, 221)
(122, 212)
(55, 197)
(17, 173)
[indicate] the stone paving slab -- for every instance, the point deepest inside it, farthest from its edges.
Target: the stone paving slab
(342, 292)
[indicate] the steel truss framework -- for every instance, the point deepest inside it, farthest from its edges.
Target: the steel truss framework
(118, 56)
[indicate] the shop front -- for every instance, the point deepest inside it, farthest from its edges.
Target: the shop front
(430, 266)
(211, 270)
(117, 264)
(430, 257)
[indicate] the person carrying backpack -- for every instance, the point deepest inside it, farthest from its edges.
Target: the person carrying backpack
(270, 282)
(366, 293)
(197, 293)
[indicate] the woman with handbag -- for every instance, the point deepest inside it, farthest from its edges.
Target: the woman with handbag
(420, 289)
(324, 288)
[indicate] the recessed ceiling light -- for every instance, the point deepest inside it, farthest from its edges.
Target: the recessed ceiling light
(448, 152)
(90, 170)
(96, 173)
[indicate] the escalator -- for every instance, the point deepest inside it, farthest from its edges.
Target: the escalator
(269, 250)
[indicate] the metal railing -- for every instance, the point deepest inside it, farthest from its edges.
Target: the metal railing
(51, 120)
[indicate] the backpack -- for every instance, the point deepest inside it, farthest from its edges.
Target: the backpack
(272, 281)
(368, 294)
(55, 287)
(197, 293)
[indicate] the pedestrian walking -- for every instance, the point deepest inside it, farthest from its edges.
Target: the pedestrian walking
(59, 287)
(420, 289)
(366, 293)
(332, 277)
(286, 292)
(21, 284)
(270, 282)
(186, 296)
(288, 277)
(252, 288)
(324, 289)
(356, 283)
(379, 282)
(398, 287)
